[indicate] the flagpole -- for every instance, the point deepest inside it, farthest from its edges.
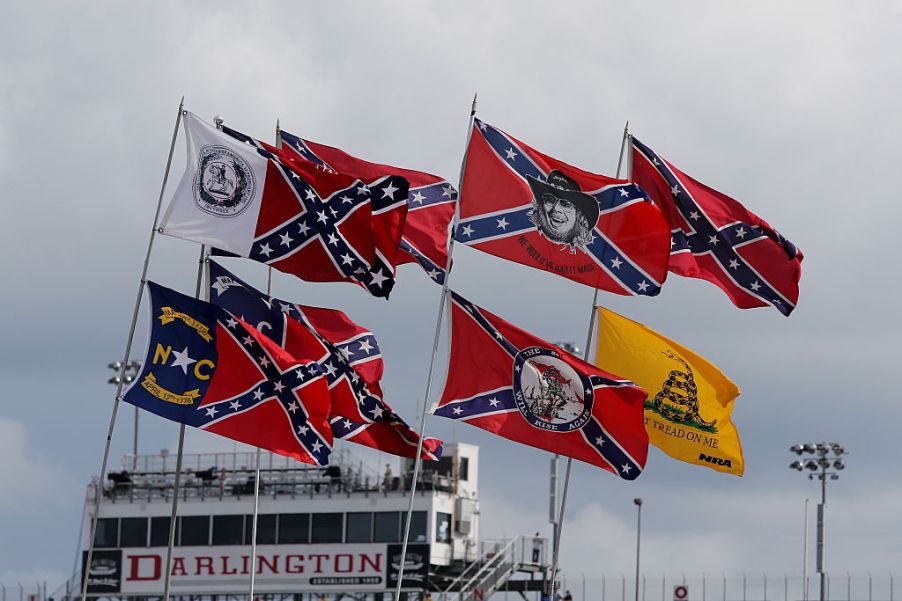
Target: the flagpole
(128, 349)
(250, 596)
(167, 582)
(560, 516)
(438, 330)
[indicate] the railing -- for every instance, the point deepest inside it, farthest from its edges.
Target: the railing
(221, 475)
(497, 562)
(748, 586)
(23, 591)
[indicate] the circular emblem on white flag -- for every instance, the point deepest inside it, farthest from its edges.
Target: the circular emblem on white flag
(224, 184)
(550, 393)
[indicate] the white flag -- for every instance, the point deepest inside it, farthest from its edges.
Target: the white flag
(218, 200)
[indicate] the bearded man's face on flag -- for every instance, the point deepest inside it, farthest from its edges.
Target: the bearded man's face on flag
(560, 216)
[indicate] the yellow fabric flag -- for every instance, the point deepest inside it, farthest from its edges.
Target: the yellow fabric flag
(687, 412)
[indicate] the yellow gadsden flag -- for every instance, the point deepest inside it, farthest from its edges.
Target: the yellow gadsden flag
(687, 412)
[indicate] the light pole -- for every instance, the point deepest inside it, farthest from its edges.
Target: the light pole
(127, 376)
(638, 503)
(820, 457)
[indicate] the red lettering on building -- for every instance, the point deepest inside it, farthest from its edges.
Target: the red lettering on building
(144, 567)
(178, 567)
(346, 559)
(271, 563)
(225, 566)
(366, 559)
(294, 564)
(319, 557)
(203, 563)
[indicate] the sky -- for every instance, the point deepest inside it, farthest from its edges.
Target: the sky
(792, 108)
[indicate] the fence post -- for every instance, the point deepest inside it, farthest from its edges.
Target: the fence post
(703, 586)
(584, 588)
(848, 586)
(744, 589)
(663, 587)
(870, 587)
(603, 587)
(785, 586)
(724, 586)
(890, 587)
(623, 585)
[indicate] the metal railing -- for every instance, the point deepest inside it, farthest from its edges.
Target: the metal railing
(498, 561)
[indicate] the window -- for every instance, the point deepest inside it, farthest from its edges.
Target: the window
(159, 532)
(195, 530)
(228, 529)
(133, 532)
(294, 528)
(442, 527)
(387, 527)
(266, 529)
(327, 527)
(463, 468)
(107, 534)
(359, 528)
(417, 526)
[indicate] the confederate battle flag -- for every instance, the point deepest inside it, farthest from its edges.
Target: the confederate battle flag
(348, 354)
(209, 369)
(715, 238)
(430, 202)
(524, 206)
(509, 382)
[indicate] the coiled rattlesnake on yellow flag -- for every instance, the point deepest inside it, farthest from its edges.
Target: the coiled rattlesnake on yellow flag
(680, 390)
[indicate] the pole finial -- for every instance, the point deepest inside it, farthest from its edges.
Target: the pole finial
(473, 106)
(218, 121)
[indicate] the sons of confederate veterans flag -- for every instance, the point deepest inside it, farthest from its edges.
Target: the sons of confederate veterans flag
(348, 354)
(208, 369)
(715, 238)
(430, 202)
(524, 206)
(239, 195)
(509, 382)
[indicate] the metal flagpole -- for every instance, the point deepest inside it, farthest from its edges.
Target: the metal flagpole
(438, 330)
(250, 596)
(128, 349)
(560, 516)
(201, 263)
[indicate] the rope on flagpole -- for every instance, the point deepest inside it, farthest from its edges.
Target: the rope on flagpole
(560, 516)
(98, 493)
(438, 330)
(202, 268)
(250, 596)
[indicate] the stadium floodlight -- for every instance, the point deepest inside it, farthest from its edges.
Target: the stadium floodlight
(126, 373)
(821, 457)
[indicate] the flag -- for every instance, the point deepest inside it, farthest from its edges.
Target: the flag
(430, 203)
(239, 195)
(348, 354)
(209, 369)
(688, 411)
(524, 206)
(515, 385)
(715, 238)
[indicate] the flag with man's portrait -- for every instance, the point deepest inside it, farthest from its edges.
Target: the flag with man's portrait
(525, 206)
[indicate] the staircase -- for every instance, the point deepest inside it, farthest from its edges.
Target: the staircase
(499, 561)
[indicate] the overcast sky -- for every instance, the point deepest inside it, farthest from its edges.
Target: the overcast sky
(791, 107)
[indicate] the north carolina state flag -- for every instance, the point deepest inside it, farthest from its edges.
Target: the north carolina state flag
(715, 238)
(430, 202)
(240, 195)
(348, 354)
(513, 384)
(209, 369)
(524, 206)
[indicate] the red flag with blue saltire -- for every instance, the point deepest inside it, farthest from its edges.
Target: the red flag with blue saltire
(525, 206)
(715, 238)
(430, 202)
(511, 383)
(209, 369)
(348, 354)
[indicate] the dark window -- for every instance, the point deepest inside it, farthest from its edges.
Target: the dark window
(294, 528)
(387, 527)
(107, 534)
(359, 528)
(266, 529)
(159, 532)
(444, 466)
(463, 471)
(417, 526)
(195, 530)
(442, 527)
(133, 532)
(228, 529)
(327, 527)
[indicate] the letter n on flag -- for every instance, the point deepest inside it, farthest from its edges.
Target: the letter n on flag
(518, 386)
